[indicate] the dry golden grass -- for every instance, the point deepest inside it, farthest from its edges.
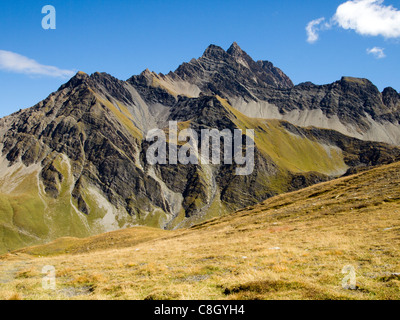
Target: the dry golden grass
(15, 296)
(292, 246)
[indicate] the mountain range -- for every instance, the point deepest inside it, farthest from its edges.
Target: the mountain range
(75, 164)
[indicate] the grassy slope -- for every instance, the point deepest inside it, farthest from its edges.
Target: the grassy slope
(292, 246)
(28, 215)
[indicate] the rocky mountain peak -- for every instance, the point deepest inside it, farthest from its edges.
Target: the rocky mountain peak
(231, 73)
(391, 98)
(146, 73)
(81, 74)
(82, 78)
(360, 86)
(235, 50)
(79, 78)
(214, 52)
(241, 56)
(145, 78)
(390, 90)
(357, 81)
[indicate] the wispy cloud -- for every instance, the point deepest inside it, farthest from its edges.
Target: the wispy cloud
(377, 52)
(14, 62)
(366, 17)
(313, 28)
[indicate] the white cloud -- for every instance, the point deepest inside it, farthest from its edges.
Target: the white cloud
(377, 52)
(312, 29)
(14, 62)
(366, 17)
(369, 17)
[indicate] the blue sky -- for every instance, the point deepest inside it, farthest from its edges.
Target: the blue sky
(125, 37)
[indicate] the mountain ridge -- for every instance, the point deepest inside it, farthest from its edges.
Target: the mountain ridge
(75, 164)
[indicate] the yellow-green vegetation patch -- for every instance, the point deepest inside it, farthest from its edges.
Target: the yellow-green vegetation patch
(22, 216)
(183, 125)
(63, 211)
(292, 152)
(28, 215)
(155, 219)
(356, 80)
(123, 115)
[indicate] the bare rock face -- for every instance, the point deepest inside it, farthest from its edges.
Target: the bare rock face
(75, 164)
(354, 101)
(391, 99)
(231, 73)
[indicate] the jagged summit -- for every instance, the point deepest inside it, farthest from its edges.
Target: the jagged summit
(235, 50)
(353, 106)
(217, 72)
(227, 73)
(146, 72)
(95, 80)
(234, 46)
(214, 51)
(259, 89)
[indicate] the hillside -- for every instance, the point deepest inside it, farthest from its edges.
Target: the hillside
(292, 246)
